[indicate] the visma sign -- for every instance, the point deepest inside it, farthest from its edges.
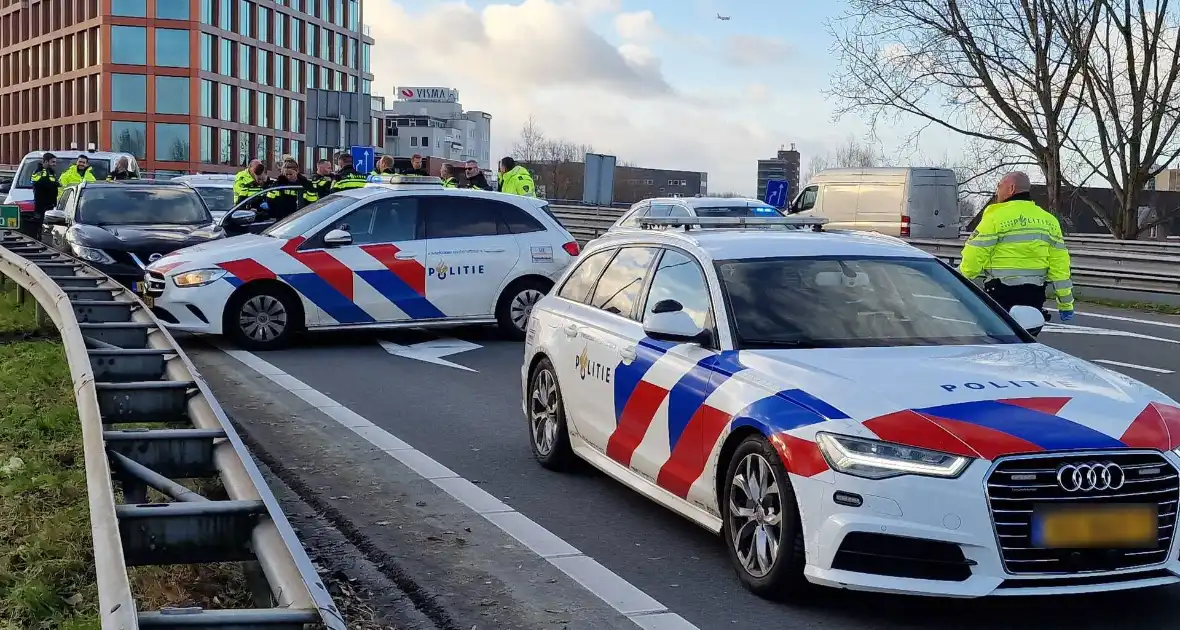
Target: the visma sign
(432, 94)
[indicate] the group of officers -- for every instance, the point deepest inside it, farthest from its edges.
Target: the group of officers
(291, 189)
(48, 186)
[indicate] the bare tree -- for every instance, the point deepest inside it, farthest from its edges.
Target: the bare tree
(1129, 93)
(530, 146)
(852, 154)
(999, 71)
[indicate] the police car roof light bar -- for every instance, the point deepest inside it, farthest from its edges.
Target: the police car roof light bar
(402, 180)
(728, 222)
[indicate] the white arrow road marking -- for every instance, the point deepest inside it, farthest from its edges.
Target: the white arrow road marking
(432, 351)
(1087, 330)
(1133, 366)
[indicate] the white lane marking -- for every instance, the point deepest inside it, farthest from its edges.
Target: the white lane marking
(642, 609)
(1120, 318)
(1146, 368)
(432, 351)
(1107, 332)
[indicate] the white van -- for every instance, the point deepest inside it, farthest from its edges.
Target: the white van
(915, 202)
(101, 163)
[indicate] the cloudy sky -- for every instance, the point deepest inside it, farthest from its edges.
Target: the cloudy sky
(660, 83)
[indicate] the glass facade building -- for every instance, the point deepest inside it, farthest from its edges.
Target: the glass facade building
(185, 85)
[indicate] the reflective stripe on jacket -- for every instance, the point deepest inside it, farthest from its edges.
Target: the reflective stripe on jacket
(347, 179)
(449, 182)
(71, 176)
(518, 181)
(244, 186)
(1017, 243)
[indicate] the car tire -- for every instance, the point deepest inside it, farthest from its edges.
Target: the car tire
(516, 304)
(743, 525)
(262, 317)
(545, 413)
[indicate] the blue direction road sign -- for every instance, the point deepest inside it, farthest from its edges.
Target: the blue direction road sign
(363, 159)
(776, 193)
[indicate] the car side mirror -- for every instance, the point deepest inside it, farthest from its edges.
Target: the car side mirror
(337, 238)
(54, 217)
(1029, 318)
(243, 217)
(669, 322)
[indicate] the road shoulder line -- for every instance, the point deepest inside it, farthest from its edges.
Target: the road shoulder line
(642, 609)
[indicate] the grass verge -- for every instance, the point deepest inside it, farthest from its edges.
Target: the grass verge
(1146, 307)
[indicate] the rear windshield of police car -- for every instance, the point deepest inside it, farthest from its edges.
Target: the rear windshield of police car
(219, 199)
(24, 179)
(830, 302)
(134, 205)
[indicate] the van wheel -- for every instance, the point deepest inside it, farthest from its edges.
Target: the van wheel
(516, 305)
(263, 317)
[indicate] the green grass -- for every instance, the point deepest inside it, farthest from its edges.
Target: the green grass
(1146, 307)
(16, 317)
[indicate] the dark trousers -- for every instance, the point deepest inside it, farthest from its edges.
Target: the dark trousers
(30, 225)
(1017, 295)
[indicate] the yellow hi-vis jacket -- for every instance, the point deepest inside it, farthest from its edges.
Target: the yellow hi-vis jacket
(1019, 243)
(518, 181)
(71, 176)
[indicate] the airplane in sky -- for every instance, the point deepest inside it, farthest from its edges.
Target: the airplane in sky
(723, 18)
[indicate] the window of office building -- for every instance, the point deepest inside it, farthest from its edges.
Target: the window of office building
(325, 44)
(173, 9)
(326, 79)
(297, 35)
(263, 24)
(129, 45)
(225, 102)
(280, 113)
(296, 66)
(281, 72)
(311, 73)
(225, 57)
(310, 43)
(295, 150)
(278, 148)
(339, 81)
(243, 105)
(206, 98)
(351, 52)
(172, 47)
(323, 13)
(365, 53)
(338, 13)
(296, 114)
(352, 83)
(129, 8)
(172, 143)
(263, 100)
(172, 95)
(243, 148)
(263, 66)
(207, 12)
(245, 15)
(354, 16)
(281, 29)
(208, 44)
(128, 92)
(206, 144)
(129, 137)
(224, 148)
(225, 19)
(245, 53)
(261, 144)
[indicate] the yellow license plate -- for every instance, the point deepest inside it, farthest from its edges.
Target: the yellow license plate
(1118, 527)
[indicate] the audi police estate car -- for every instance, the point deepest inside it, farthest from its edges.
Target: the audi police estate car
(386, 255)
(850, 411)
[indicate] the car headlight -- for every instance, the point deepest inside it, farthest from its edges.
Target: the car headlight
(198, 277)
(873, 459)
(90, 254)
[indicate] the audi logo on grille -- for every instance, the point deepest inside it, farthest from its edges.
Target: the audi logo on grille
(1091, 477)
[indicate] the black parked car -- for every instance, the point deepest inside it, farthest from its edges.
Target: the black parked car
(121, 227)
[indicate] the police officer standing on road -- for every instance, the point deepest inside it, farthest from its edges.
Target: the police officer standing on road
(320, 184)
(444, 172)
(384, 166)
(416, 167)
(257, 183)
(76, 174)
(1018, 248)
(244, 180)
(346, 177)
(515, 179)
(122, 171)
(283, 203)
(45, 191)
(475, 177)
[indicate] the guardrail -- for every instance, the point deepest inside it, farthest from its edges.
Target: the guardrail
(127, 370)
(1096, 262)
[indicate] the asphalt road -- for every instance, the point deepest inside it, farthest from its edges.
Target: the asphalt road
(470, 421)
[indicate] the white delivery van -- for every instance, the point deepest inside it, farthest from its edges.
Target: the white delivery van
(101, 163)
(915, 202)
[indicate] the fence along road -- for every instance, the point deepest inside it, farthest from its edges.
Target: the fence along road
(1137, 266)
(127, 369)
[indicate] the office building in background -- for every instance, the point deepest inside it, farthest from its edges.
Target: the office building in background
(784, 166)
(185, 85)
(431, 122)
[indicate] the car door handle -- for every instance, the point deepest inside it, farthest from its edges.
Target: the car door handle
(494, 251)
(571, 330)
(405, 256)
(627, 354)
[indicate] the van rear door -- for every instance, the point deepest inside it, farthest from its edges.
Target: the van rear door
(933, 203)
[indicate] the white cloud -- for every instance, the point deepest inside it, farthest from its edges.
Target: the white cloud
(541, 58)
(754, 50)
(639, 26)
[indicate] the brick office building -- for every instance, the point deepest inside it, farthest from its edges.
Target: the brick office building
(185, 85)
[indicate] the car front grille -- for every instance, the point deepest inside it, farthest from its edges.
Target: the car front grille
(144, 258)
(1018, 485)
(154, 283)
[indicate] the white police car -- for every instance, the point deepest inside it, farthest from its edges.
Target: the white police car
(849, 410)
(687, 207)
(386, 255)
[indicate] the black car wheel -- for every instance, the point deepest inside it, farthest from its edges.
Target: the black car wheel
(264, 317)
(516, 305)
(549, 434)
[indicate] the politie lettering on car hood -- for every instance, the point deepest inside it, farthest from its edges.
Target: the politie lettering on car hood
(976, 401)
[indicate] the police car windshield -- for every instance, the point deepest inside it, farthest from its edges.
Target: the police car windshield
(841, 302)
(110, 204)
(24, 179)
(299, 223)
(219, 199)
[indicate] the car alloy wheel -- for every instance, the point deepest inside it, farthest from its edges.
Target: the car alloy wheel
(755, 515)
(543, 413)
(263, 318)
(522, 306)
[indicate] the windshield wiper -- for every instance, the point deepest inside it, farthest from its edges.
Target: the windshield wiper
(792, 344)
